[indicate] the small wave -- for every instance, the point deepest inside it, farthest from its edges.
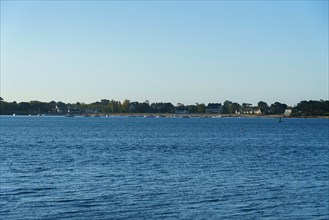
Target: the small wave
(19, 192)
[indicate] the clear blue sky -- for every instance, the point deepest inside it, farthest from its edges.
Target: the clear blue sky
(175, 51)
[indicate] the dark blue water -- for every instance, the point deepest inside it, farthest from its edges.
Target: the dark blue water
(164, 168)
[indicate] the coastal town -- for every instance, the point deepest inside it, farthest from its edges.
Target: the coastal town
(106, 107)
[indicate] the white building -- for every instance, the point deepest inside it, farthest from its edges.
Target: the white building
(287, 112)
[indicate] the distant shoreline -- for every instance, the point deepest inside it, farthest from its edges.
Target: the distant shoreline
(304, 109)
(169, 115)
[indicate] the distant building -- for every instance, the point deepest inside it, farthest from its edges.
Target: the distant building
(247, 110)
(57, 109)
(251, 110)
(181, 110)
(257, 111)
(214, 108)
(287, 112)
(105, 101)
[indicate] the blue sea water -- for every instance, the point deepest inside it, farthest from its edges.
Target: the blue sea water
(164, 168)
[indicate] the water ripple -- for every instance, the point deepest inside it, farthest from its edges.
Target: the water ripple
(132, 168)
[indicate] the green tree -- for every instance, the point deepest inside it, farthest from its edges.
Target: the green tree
(226, 107)
(234, 107)
(311, 108)
(162, 108)
(24, 108)
(125, 106)
(278, 108)
(191, 109)
(115, 106)
(200, 108)
(263, 106)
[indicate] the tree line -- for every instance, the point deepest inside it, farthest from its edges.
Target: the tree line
(303, 108)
